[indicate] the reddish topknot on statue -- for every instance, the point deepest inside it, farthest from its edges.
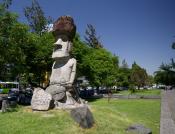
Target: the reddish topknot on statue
(64, 26)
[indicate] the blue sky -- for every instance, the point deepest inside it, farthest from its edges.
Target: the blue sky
(135, 30)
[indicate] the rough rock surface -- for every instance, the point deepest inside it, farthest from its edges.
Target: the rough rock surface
(41, 100)
(64, 25)
(58, 92)
(83, 116)
(5, 105)
(138, 129)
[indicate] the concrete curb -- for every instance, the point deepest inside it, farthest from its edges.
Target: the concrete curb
(133, 96)
(167, 125)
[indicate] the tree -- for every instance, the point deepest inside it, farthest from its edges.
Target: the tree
(38, 57)
(13, 36)
(100, 68)
(91, 37)
(150, 80)
(23, 55)
(123, 77)
(6, 3)
(35, 16)
(98, 65)
(165, 75)
(124, 64)
(79, 51)
(138, 76)
(173, 45)
(40, 61)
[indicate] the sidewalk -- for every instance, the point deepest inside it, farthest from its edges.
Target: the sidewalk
(167, 125)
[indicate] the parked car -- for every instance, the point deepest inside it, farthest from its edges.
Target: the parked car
(122, 88)
(21, 97)
(86, 93)
(25, 97)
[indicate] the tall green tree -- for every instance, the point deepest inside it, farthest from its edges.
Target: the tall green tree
(98, 65)
(100, 68)
(12, 37)
(138, 76)
(40, 61)
(165, 75)
(124, 64)
(36, 18)
(23, 55)
(91, 37)
(38, 57)
(79, 51)
(123, 75)
(150, 80)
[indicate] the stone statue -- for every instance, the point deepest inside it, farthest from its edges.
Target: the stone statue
(64, 67)
(60, 92)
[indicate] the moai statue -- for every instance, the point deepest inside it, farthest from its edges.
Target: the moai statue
(60, 92)
(64, 67)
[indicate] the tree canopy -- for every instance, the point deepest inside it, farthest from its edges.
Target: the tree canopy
(12, 40)
(138, 76)
(166, 73)
(91, 37)
(98, 65)
(36, 18)
(22, 54)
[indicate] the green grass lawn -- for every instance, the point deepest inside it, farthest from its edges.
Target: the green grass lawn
(142, 92)
(110, 118)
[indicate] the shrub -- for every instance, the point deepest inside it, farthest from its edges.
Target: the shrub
(5, 90)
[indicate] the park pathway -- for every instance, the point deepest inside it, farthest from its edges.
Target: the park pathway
(167, 124)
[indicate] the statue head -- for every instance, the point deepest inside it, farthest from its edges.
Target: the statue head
(64, 31)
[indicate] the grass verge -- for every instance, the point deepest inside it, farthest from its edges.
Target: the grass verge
(110, 118)
(145, 92)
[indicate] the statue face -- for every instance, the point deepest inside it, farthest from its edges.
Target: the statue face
(62, 47)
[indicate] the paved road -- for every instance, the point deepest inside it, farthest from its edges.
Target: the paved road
(167, 124)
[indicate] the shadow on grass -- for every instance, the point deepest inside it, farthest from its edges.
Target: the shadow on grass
(92, 99)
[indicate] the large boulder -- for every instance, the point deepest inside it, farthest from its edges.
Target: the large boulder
(138, 129)
(41, 100)
(83, 116)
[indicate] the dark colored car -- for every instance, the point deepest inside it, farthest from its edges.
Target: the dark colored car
(13, 95)
(86, 93)
(17, 97)
(21, 97)
(25, 97)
